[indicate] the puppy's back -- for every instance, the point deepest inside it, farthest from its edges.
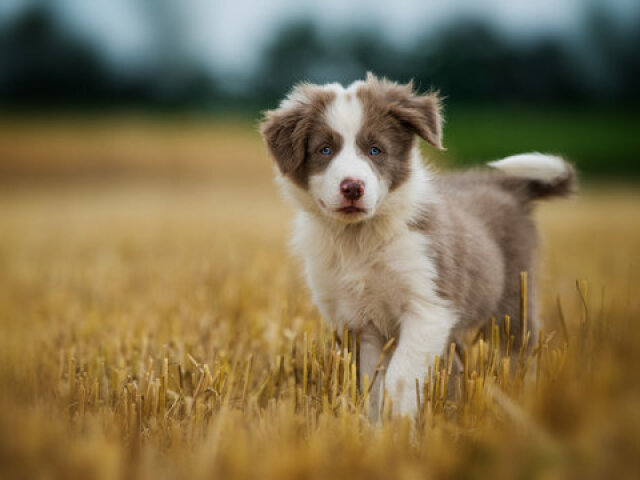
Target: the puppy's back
(484, 236)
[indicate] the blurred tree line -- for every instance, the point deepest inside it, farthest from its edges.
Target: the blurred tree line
(42, 64)
(469, 62)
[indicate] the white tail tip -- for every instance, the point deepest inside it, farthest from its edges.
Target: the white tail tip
(535, 166)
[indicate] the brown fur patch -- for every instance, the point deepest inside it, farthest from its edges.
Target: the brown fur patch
(383, 130)
(320, 135)
(393, 114)
(421, 113)
(287, 130)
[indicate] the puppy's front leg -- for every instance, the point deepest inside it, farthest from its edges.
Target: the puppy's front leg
(371, 344)
(424, 332)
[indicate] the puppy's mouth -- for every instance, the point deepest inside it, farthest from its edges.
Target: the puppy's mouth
(351, 210)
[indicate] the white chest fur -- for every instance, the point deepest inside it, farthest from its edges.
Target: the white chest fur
(357, 277)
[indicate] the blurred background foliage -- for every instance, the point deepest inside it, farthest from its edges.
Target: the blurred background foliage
(573, 92)
(469, 61)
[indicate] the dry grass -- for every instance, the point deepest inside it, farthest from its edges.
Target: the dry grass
(157, 327)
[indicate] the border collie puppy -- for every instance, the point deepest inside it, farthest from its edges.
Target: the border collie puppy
(390, 249)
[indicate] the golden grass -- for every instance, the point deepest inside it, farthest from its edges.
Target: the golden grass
(158, 328)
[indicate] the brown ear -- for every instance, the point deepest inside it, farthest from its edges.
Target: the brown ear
(420, 113)
(285, 132)
(423, 115)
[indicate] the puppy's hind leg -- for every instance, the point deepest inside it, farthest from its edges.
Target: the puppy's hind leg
(371, 345)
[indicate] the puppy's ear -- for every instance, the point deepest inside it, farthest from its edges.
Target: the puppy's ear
(285, 133)
(422, 114)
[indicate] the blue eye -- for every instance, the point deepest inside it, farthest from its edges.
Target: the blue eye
(326, 151)
(373, 151)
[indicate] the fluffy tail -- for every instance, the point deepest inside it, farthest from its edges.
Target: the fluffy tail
(535, 175)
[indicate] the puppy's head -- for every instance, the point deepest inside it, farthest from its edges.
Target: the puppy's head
(343, 152)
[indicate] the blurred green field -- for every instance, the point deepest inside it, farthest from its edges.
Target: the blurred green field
(604, 144)
(154, 325)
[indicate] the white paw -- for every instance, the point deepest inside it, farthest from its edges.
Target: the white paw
(402, 394)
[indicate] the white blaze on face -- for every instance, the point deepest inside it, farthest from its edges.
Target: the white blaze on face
(345, 116)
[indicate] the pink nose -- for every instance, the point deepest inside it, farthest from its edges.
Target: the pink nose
(352, 189)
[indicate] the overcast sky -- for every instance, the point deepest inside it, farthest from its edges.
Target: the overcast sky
(229, 34)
